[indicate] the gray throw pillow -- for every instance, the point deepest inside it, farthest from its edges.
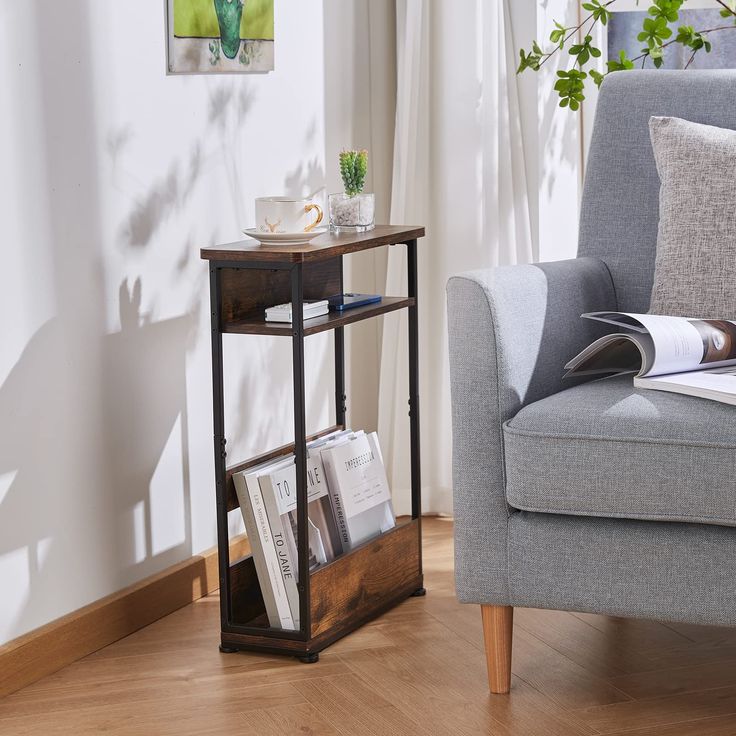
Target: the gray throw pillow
(695, 270)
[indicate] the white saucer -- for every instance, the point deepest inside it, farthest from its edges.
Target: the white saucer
(284, 238)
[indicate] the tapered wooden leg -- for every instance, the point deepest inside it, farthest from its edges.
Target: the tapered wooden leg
(497, 627)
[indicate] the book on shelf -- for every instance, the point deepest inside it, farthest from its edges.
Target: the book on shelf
(683, 355)
(358, 485)
(279, 489)
(348, 502)
(265, 554)
(311, 309)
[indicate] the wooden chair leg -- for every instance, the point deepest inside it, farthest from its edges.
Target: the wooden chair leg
(497, 628)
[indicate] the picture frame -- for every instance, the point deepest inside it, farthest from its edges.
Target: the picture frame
(219, 36)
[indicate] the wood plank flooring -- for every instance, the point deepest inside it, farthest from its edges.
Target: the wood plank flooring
(419, 669)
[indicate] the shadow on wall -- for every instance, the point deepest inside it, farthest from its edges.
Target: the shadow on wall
(144, 404)
(92, 424)
(88, 420)
(92, 450)
(162, 201)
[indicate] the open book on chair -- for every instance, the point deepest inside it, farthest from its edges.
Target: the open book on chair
(687, 356)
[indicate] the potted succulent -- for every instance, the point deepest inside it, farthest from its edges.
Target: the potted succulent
(352, 210)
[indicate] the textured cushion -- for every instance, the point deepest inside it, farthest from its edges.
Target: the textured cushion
(695, 267)
(606, 449)
(619, 209)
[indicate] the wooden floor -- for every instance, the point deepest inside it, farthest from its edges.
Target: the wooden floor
(418, 670)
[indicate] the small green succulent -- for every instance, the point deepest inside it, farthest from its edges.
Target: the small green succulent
(353, 168)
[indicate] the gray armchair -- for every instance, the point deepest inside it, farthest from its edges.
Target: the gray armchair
(589, 496)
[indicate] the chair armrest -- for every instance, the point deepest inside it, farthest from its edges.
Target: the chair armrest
(511, 331)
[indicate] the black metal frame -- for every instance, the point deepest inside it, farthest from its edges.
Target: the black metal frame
(300, 437)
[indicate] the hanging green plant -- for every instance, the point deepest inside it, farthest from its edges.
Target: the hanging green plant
(657, 34)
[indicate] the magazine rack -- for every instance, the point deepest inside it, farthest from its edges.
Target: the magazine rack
(339, 596)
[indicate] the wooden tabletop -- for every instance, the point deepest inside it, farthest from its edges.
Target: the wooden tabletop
(325, 246)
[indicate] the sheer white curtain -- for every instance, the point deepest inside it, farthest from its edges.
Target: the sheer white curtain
(458, 168)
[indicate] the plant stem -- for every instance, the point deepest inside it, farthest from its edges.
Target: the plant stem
(587, 33)
(674, 40)
(725, 7)
(690, 60)
(573, 31)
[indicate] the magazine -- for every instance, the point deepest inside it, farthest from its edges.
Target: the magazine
(346, 505)
(359, 487)
(679, 354)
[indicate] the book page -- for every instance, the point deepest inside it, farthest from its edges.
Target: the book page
(615, 353)
(716, 383)
(680, 343)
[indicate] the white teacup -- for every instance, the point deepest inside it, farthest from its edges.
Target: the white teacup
(286, 215)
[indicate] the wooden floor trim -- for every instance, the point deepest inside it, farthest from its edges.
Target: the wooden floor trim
(69, 638)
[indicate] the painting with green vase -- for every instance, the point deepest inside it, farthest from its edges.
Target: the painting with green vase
(220, 36)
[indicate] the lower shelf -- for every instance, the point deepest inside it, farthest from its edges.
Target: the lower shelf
(345, 593)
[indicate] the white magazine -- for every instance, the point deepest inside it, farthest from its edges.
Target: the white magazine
(680, 354)
(359, 487)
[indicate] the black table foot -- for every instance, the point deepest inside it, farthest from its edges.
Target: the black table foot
(309, 658)
(227, 650)
(419, 592)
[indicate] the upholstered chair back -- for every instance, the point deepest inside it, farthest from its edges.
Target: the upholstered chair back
(619, 215)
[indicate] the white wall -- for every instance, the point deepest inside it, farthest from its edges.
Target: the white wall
(112, 176)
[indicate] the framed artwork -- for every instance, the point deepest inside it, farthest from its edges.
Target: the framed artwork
(625, 25)
(219, 36)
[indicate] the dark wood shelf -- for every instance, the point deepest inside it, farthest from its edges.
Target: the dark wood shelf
(325, 246)
(329, 321)
(346, 592)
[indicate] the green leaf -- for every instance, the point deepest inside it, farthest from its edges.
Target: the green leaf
(623, 63)
(528, 61)
(730, 10)
(667, 10)
(685, 35)
(597, 77)
(655, 30)
(556, 36)
(569, 86)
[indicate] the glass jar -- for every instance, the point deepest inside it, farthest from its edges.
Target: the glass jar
(354, 214)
